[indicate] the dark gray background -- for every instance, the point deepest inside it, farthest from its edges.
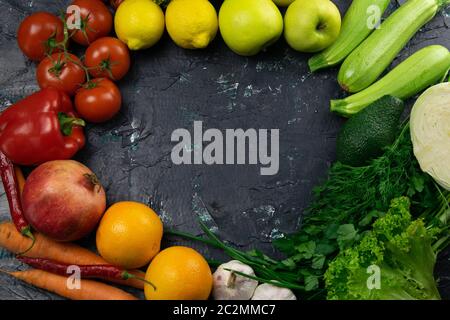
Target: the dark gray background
(169, 88)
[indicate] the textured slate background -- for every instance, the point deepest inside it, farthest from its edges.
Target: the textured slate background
(169, 88)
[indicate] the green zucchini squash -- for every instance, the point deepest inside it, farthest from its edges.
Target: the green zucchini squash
(421, 70)
(355, 28)
(367, 62)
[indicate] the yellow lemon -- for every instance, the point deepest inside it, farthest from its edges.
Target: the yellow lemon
(139, 23)
(178, 273)
(129, 234)
(192, 24)
(283, 3)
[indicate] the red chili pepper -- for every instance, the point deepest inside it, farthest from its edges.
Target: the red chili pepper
(104, 271)
(41, 128)
(11, 187)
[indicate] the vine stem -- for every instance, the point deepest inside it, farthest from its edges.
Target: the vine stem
(63, 46)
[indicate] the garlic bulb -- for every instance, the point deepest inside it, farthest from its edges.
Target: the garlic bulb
(231, 286)
(268, 291)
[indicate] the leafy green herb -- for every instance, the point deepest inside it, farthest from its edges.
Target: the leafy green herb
(369, 218)
(311, 283)
(347, 235)
(318, 261)
(400, 248)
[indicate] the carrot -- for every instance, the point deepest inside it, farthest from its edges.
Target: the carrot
(20, 178)
(88, 290)
(63, 252)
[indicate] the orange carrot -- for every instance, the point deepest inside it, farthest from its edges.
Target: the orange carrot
(63, 252)
(20, 178)
(88, 289)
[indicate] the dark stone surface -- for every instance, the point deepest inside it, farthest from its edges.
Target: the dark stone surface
(169, 88)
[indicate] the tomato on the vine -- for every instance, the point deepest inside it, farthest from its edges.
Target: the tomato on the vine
(40, 34)
(98, 100)
(96, 21)
(108, 58)
(62, 71)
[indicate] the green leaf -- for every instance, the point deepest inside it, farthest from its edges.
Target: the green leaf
(289, 263)
(370, 218)
(311, 282)
(347, 235)
(285, 245)
(256, 253)
(325, 248)
(331, 231)
(307, 249)
(318, 261)
(312, 229)
(419, 183)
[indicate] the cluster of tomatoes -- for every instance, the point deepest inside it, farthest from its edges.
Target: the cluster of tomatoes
(44, 38)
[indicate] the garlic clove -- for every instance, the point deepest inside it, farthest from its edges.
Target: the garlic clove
(231, 286)
(268, 291)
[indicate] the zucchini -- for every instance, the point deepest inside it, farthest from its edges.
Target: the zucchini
(421, 70)
(355, 28)
(364, 65)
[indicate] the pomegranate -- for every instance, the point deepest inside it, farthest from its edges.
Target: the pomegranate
(63, 199)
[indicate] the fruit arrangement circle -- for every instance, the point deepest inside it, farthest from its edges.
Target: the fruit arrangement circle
(169, 88)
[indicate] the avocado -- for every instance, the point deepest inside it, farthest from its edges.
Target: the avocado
(364, 136)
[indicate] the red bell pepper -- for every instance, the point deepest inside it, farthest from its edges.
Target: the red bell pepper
(41, 128)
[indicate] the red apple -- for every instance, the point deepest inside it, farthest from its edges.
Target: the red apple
(63, 199)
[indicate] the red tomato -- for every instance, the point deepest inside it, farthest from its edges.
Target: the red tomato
(39, 34)
(96, 21)
(108, 58)
(61, 72)
(98, 101)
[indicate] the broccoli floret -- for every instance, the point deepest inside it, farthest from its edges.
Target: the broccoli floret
(393, 261)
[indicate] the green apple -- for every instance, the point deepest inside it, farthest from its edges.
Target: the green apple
(283, 3)
(311, 25)
(249, 26)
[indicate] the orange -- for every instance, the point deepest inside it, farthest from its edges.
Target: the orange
(179, 273)
(129, 235)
